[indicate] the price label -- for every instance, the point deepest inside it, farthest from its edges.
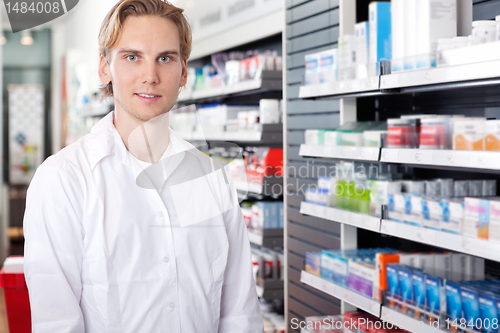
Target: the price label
(389, 227)
(466, 245)
(390, 155)
(389, 81)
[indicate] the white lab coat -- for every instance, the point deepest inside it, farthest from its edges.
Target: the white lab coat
(105, 252)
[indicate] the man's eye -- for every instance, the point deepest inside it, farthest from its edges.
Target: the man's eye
(132, 57)
(164, 59)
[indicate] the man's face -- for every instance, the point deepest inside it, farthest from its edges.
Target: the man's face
(145, 67)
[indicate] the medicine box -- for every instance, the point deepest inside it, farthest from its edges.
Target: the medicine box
(419, 289)
(362, 278)
(469, 133)
(442, 265)
(380, 31)
(398, 26)
(488, 309)
(313, 263)
(413, 209)
(315, 137)
(494, 227)
(435, 295)
(328, 64)
(492, 138)
(393, 280)
(470, 303)
(452, 217)
(312, 62)
(396, 206)
(477, 218)
(432, 27)
(453, 301)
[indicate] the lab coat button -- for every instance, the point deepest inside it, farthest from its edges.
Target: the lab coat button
(166, 259)
(160, 214)
(172, 305)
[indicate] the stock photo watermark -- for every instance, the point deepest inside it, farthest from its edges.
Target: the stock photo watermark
(28, 14)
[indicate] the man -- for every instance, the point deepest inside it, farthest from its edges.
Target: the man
(131, 229)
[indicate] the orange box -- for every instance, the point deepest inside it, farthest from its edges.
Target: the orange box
(468, 133)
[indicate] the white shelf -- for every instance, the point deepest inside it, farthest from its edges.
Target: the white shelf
(244, 136)
(408, 323)
(338, 215)
(269, 81)
(341, 293)
(448, 158)
(339, 88)
(248, 187)
(440, 75)
(341, 152)
(473, 246)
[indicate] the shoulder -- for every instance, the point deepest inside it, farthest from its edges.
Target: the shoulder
(68, 168)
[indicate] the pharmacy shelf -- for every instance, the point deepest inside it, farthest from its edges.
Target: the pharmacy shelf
(440, 78)
(480, 74)
(349, 88)
(408, 323)
(473, 246)
(341, 152)
(270, 289)
(486, 160)
(333, 214)
(267, 134)
(270, 81)
(271, 238)
(344, 294)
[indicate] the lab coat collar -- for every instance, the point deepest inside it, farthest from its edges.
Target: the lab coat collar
(104, 140)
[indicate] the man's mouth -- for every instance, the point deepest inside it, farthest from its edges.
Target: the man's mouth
(148, 95)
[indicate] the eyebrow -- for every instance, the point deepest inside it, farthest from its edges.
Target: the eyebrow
(164, 53)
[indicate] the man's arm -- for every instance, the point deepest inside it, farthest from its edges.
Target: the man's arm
(53, 250)
(240, 310)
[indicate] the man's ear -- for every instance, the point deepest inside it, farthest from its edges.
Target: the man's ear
(184, 73)
(104, 74)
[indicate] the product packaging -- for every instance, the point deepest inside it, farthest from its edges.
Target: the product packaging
(419, 291)
(381, 262)
(347, 57)
(483, 32)
(362, 33)
(315, 137)
(494, 230)
(398, 25)
(313, 263)
(380, 31)
(431, 208)
(477, 218)
(492, 138)
(410, 39)
(468, 133)
(436, 296)
(452, 217)
(458, 267)
(442, 265)
(453, 301)
(401, 133)
(475, 268)
(312, 75)
(432, 27)
(328, 65)
(362, 278)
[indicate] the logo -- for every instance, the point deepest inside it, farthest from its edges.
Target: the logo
(28, 14)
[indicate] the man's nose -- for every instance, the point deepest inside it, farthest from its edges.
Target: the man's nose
(150, 74)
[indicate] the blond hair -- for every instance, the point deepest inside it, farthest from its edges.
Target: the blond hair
(112, 26)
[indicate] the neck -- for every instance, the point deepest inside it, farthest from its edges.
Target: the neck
(146, 140)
